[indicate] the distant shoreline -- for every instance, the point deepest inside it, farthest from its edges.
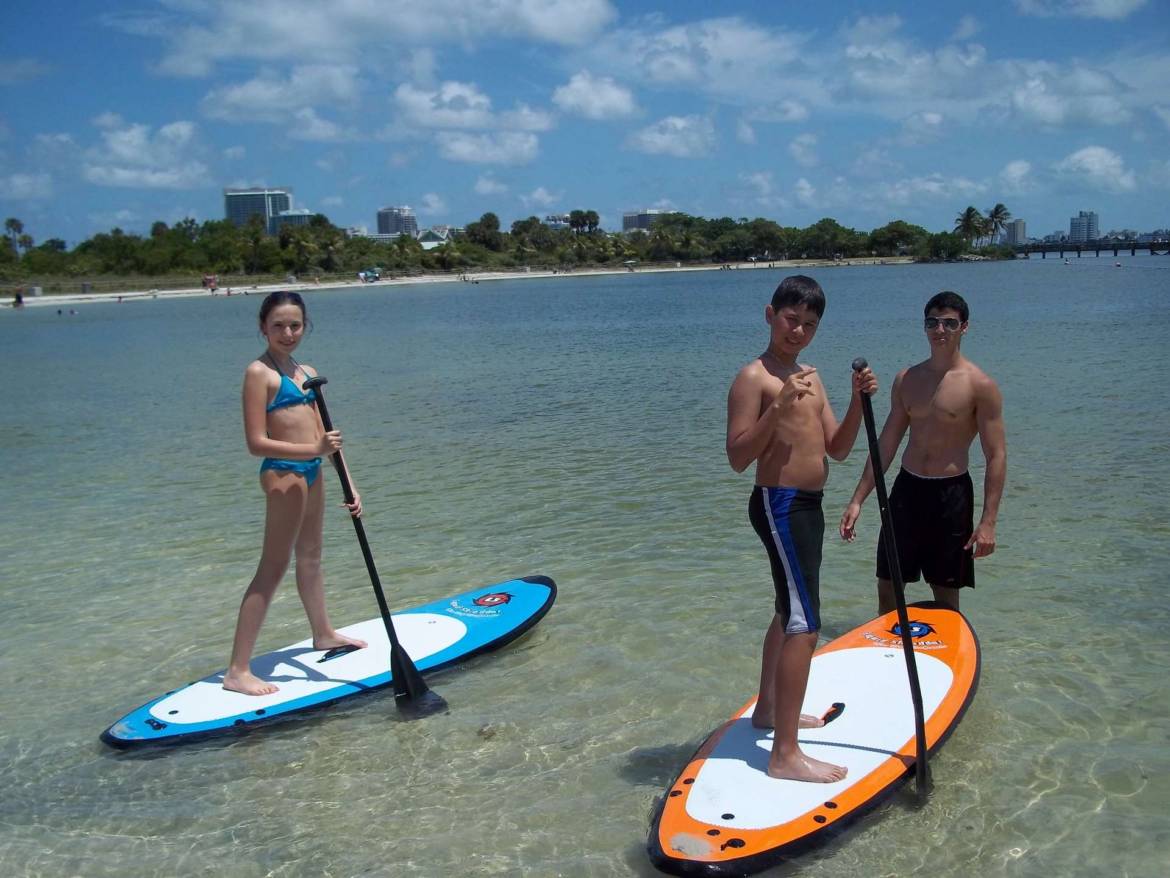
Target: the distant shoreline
(57, 299)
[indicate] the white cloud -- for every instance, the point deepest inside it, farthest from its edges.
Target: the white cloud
(273, 98)
(593, 97)
(806, 193)
(524, 118)
(727, 56)
(540, 197)
(744, 132)
(493, 148)
(488, 185)
(967, 27)
(875, 162)
(108, 120)
(1108, 9)
(332, 201)
(1163, 113)
(307, 125)
(137, 157)
(781, 111)
(922, 127)
(760, 181)
(803, 150)
(1100, 167)
(234, 153)
(432, 204)
(423, 66)
(762, 190)
(275, 30)
(911, 191)
(1082, 96)
(26, 187)
(116, 218)
(451, 105)
(679, 136)
(21, 69)
(1016, 175)
(461, 105)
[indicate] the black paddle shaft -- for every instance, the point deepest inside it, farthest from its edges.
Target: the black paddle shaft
(921, 769)
(410, 690)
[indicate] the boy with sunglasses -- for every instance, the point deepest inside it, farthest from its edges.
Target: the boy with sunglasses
(945, 401)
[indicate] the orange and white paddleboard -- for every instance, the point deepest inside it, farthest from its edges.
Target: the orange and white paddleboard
(724, 815)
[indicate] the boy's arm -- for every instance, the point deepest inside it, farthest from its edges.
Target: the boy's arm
(748, 429)
(839, 438)
(893, 430)
(992, 436)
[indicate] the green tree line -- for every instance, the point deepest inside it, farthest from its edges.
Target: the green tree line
(220, 247)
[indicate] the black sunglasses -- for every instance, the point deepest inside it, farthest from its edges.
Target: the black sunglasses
(950, 324)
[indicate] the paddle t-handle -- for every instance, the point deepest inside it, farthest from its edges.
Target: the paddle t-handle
(921, 768)
(411, 693)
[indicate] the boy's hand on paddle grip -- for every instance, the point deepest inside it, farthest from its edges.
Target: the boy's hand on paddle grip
(864, 381)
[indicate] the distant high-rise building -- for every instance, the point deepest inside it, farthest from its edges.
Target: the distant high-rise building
(640, 219)
(297, 217)
(240, 205)
(1016, 233)
(1083, 227)
(397, 221)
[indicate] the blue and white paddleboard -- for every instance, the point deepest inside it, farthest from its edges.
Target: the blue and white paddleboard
(435, 636)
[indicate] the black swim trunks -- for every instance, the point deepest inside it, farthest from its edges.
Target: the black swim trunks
(933, 519)
(791, 525)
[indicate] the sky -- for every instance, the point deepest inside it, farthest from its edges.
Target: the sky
(121, 114)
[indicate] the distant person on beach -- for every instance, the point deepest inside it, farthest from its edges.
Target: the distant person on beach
(779, 416)
(945, 401)
(282, 425)
(18, 300)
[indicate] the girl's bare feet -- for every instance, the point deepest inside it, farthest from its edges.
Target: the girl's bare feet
(248, 683)
(334, 640)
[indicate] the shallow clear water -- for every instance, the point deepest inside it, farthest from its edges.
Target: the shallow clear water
(571, 427)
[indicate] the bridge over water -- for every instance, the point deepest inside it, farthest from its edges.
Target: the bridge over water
(1154, 248)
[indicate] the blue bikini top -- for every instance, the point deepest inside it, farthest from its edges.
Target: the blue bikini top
(289, 394)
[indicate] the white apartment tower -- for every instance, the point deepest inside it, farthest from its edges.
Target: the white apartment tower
(397, 221)
(1083, 227)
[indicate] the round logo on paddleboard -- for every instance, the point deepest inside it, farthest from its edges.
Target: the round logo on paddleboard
(492, 600)
(917, 629)
(490, 604)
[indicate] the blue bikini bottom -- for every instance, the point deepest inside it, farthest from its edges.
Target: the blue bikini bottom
(307, 468)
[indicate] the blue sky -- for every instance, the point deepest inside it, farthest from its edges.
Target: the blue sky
(862, 111)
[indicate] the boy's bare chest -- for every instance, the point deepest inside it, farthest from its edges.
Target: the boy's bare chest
(949, 400)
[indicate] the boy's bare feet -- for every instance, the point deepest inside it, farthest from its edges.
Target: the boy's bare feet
(805, 768)
(248, 684)
(763, 720)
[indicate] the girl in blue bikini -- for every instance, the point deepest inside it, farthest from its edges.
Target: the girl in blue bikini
(281, 425)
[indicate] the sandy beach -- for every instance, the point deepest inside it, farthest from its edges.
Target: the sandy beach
(130, 295)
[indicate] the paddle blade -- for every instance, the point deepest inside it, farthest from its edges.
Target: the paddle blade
(411, 693)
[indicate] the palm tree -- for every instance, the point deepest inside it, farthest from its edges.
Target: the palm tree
(970, 224)
(13, 229)
(997, 220)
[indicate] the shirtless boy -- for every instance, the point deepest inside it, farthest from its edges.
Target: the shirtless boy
(779, 416)
(945, 401)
